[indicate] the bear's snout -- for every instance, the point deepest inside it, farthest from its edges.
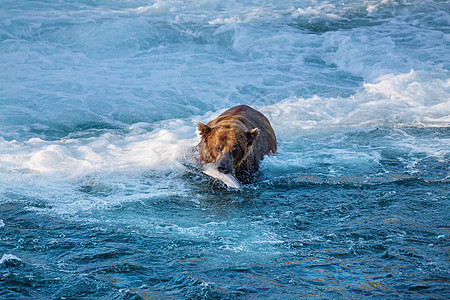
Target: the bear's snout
(224, 163)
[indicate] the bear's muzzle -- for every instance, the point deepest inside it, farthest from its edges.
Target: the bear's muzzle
(224, 162)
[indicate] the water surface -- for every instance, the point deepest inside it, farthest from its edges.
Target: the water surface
(99, 102)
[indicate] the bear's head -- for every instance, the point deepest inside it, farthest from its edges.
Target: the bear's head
(226, 146)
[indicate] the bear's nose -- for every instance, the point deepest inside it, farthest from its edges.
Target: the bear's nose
(223, 168)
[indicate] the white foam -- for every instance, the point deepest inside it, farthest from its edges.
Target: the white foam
(9, 258)
(325, 10)
(157, 7)
(110, 152)
(229, 20)
(412, 99)
(374, 6)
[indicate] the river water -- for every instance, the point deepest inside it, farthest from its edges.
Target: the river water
(99, 102)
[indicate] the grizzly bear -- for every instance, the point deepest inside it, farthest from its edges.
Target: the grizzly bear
(236, 141)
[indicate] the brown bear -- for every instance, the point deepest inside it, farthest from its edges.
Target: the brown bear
(236, 141)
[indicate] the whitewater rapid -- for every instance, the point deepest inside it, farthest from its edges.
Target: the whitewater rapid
(100, 196)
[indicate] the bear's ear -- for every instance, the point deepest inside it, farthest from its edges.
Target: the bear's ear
(252, 135)
(204, 129)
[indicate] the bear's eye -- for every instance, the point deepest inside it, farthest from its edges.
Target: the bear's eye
(235, 149)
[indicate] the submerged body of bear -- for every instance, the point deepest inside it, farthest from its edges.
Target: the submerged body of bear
(236, 141)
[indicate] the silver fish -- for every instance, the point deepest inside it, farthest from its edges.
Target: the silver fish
(228, 179)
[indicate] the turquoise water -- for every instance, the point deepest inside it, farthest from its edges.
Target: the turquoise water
(99, 197)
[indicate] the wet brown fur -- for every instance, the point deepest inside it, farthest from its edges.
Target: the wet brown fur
(238, 139)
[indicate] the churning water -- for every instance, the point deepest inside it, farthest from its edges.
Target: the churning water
(99, 102)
